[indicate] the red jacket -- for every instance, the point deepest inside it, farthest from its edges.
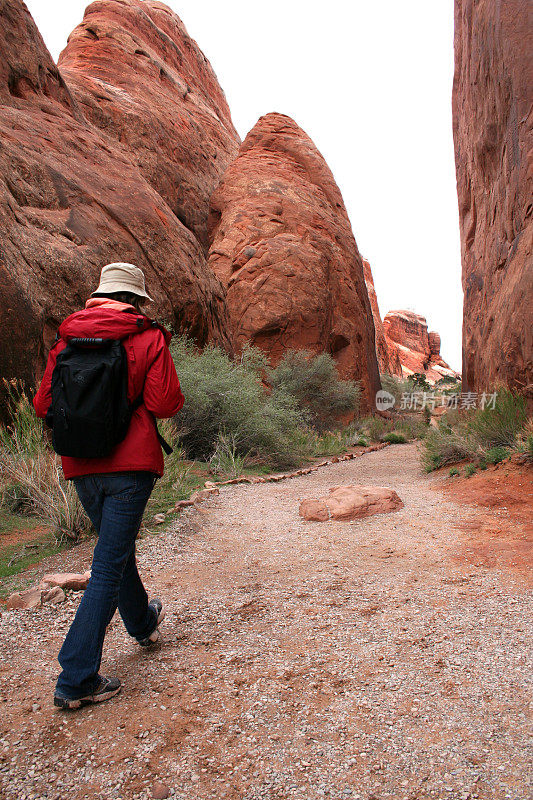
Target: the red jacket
(150, 371)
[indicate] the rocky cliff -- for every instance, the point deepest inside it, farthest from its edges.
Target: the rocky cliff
(492, 127)
(418, 349)
(387, 353)
(283, 246)
(73, 195)
(139, 77)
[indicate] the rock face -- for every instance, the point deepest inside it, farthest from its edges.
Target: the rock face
(386, 351)
(282, 244)
(140, 78)
(418, 349)
(493, 135)
(72, 198)
(351, 502)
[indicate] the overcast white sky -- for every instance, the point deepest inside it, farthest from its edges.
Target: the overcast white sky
(371, 83)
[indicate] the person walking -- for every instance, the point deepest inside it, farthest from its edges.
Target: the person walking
(114, 487)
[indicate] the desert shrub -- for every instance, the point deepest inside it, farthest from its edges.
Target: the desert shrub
(31, 472)
(448, 385)
(226, 459)
(453, 472)
(314, 383)
(419, 382)
(444, 445)
(495, 455)
(226, 397)
(373, 428)
(394, 438)
(499, 426)
(330, 443)
(395, 386)
(360, 441)
(470, 470)
(414, 427)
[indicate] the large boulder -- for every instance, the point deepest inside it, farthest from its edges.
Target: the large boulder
(283, 246)
(386, 351)
(71, 199)
(347, 503)
(493, 136)
(418, 349)
(140, 78)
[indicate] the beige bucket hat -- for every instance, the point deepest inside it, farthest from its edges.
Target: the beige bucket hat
(122, 277)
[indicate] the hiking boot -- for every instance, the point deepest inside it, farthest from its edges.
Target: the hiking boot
(108, 687)
(153, 637)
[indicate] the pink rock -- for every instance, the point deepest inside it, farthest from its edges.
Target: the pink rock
(183, 504)
(418, 350)
(54, 595)
(351, 502)
(314, 510)
(66, 580)
(160, 791)
(114, 155)
(204, 494)
(493, 136)
(282, 244)
(387, 352)
(30, 598)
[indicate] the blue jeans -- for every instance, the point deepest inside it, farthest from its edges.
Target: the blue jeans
(115, 504)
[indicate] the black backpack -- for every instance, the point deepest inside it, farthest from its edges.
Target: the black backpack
(90, 413)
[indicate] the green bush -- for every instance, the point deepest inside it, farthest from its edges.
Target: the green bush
(227, 398)
(314, 383)
(373, 428)
(443, 445)
(499, 426)
(394, 438)
(453, 472)
(395, 386)
(470, 470)
(419, 382)
(495, 455)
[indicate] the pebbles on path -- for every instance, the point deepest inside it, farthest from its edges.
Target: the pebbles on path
(364, 660)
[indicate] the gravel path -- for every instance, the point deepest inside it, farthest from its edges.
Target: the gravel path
(364, 660)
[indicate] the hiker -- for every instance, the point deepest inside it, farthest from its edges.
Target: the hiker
(114, 457)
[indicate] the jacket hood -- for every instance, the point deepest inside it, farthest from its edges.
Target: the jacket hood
(107, 320)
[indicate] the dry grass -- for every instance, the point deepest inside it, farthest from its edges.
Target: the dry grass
(31, 473)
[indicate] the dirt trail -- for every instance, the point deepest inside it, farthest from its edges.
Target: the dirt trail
(373, 659)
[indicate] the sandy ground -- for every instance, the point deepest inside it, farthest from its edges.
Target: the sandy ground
(383, 658)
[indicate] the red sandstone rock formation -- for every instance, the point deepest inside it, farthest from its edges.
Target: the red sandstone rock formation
(347, 503)
(140, 78)
(71, 199)
(283, 245)
(386, 351)
(493, 135)
(419, 351)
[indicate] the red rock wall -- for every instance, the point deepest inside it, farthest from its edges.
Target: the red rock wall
(71, 200)
(282, 244)
(418, 350)
(387, 352)
(492, 127)
(140, 78)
